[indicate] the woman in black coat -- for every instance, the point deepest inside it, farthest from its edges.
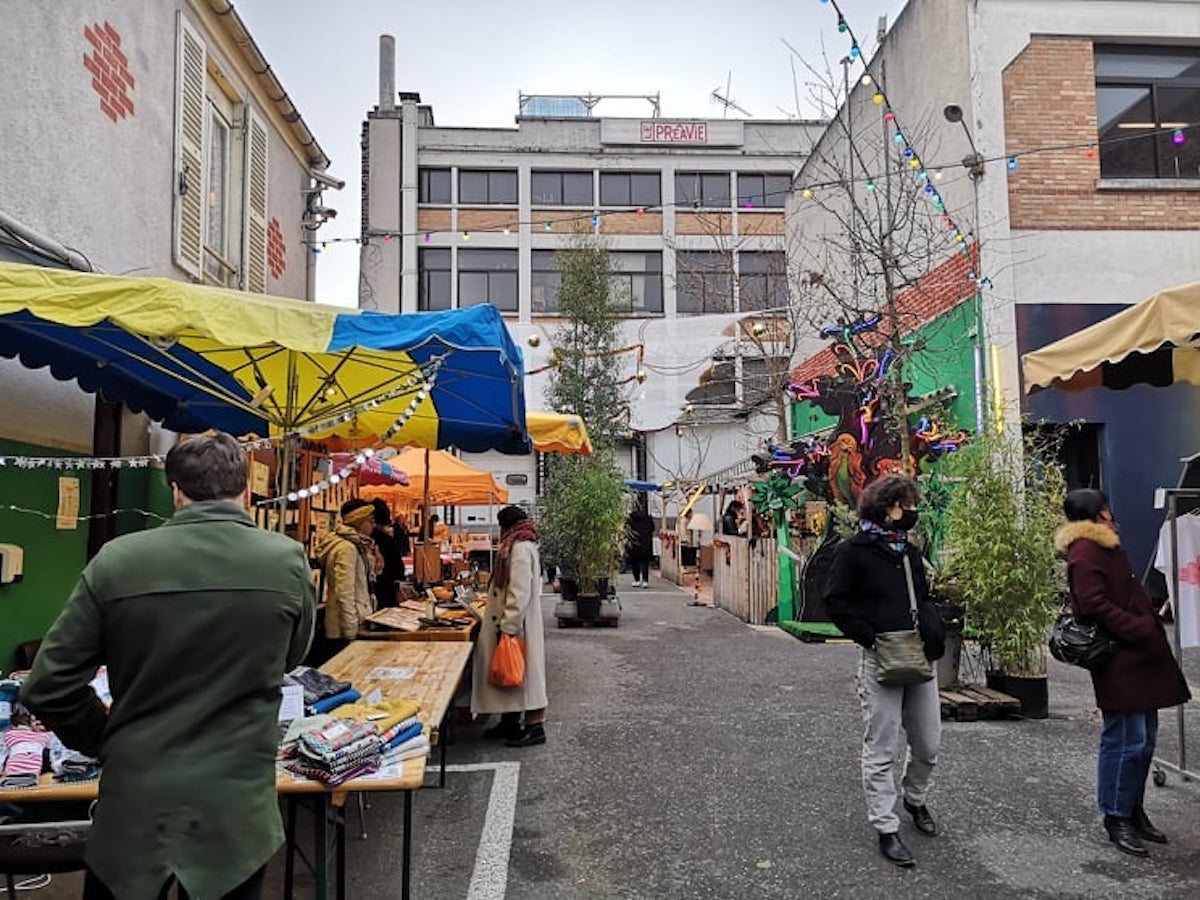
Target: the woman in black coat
(639, 547)
(868, 594)
(389, 552)
(1142, 676)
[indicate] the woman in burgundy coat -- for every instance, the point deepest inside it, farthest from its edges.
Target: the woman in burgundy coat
(1141, 678)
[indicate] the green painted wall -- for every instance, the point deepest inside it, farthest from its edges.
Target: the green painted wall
(54, 558)
(947, 359)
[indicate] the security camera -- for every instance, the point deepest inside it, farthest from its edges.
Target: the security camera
(326, 180)
(323, 212)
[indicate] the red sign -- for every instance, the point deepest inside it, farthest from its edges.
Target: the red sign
(674, 132)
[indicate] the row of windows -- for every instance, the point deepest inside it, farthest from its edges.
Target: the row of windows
(483, 187)
(703, 280)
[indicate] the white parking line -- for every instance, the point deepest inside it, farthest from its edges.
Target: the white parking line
(489, 880)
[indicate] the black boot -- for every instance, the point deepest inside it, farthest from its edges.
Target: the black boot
(922, 818)
(1145, 828)
(894, 850)
(531, 736)
(1121, 832)
(506, 729)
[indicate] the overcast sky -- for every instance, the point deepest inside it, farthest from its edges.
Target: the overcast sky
(469, 59)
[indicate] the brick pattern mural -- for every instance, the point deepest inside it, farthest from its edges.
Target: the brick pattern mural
(111, 78)
(941, 290)
(276, 250)
(1050, 100)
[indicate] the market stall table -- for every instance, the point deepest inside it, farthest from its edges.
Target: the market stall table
(405, 622)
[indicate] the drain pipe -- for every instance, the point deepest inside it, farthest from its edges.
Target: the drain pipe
(45, 245)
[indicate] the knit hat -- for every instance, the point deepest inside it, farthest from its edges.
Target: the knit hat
(355, 512)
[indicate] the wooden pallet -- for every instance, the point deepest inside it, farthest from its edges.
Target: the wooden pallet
(970, 702)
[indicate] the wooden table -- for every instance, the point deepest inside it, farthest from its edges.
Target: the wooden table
(436, 671)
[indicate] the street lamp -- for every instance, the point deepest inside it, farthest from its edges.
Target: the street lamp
(975, 166)
(974, 163)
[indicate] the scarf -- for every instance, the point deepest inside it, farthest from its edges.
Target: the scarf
(895, 539)
(522, 531)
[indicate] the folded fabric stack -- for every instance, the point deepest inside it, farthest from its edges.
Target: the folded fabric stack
(72, 766)
(319, 688)
(338, 751)
(406, 740)
(384, 715)
(24, 762)
(328, 704)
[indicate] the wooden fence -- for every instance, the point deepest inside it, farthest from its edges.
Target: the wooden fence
(745, 578)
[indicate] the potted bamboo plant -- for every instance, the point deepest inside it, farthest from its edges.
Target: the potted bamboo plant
(583, 528)
(1000, 529)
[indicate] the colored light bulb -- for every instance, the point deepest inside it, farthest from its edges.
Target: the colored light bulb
(1177, 138)
(878, 98)
(1012, 164)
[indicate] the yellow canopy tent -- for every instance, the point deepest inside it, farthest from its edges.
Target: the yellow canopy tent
(553, 432)
(1152, 342)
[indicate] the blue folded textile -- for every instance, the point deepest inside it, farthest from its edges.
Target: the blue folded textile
(407, 734)
(331, 703)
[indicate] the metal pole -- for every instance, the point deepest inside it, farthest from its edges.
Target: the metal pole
(1171, 516)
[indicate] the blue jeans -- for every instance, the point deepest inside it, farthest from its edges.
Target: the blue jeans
(1126, 751)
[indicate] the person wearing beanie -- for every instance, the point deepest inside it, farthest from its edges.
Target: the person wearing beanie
(514, 607)
(345, 555)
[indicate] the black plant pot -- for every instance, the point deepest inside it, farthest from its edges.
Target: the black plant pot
(587, 606)
(1034, 693)
(569, 589)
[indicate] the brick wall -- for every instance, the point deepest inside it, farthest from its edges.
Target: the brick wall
(752, 222)
(631, 223)
(704, 223)
(1049, 100)
(941, 290)
(487, 219)
(433, 220)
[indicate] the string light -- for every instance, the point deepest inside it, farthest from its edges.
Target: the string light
(53, 516)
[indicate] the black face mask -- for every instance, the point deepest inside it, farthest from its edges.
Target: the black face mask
(908, 518)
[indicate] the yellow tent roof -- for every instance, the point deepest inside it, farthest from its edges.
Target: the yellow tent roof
(1149, 343)
(558, 432)
(451, 481)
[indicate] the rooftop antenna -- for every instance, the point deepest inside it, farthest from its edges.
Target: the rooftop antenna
(727, 101)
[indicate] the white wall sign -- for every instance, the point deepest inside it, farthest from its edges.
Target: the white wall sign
(672, 132)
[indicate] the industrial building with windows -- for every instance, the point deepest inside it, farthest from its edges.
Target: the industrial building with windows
(693, 215)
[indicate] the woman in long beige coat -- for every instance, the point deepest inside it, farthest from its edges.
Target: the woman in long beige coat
(514, 607)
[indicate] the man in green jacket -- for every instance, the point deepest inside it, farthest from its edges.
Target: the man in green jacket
(197, 621)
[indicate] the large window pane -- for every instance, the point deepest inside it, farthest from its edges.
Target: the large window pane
(577, 188)
(545, 188)
(756, 190)
(502, 187)
(1178, 145)
(433, 276)
(762, 281)
(544, 282)
(703, 283)
(472, 187)
(1126, 119)
(614, 189)
(433, 186)
(472, 288)
(710, 189)
(645, 189)
(637, 281)
(1151, 63)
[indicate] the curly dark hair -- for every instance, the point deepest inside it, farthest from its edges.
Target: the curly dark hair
(883, 493)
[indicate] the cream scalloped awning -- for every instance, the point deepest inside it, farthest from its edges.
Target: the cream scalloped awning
(1152, 342)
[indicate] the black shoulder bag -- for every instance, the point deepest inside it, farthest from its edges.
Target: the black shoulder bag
(1083, 644)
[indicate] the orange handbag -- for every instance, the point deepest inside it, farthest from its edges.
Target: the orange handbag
(508, 662)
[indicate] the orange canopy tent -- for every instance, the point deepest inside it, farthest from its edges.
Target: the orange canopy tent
(451, 482)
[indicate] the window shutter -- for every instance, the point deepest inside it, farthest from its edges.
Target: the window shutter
(256, 203)
(190, 124)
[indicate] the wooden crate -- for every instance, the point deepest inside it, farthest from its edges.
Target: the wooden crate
(969, 702)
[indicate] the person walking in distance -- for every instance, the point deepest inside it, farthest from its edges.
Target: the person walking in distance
(1142, 676)
(869, 592)
(197, 622)
(639, 546)
(514, 608)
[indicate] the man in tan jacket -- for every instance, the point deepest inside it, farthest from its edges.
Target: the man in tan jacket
(346, 558)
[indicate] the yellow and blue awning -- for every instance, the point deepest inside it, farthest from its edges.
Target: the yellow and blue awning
(201, 357)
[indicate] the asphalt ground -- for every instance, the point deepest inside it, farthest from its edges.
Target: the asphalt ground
(692, 756)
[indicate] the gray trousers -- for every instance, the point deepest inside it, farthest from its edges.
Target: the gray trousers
(885, 710)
